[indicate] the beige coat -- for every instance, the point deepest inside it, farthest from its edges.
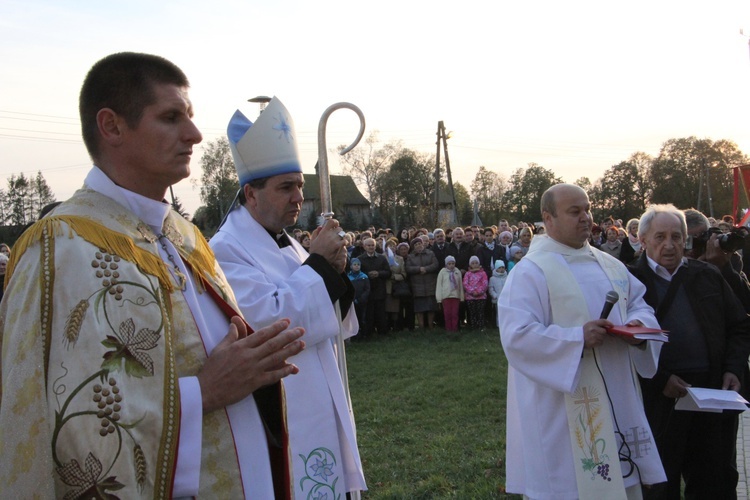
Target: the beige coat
(444, 290)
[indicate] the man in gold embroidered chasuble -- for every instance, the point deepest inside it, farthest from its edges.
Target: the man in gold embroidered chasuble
(125, 370)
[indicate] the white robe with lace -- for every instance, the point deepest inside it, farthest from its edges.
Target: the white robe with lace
(543, 365)
(271, 283)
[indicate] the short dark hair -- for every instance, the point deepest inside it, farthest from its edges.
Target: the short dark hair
(255, 184)
(123, 82)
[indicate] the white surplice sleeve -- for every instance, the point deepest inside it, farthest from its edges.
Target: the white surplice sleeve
(188, 468)
(645, 360)
(548, 355)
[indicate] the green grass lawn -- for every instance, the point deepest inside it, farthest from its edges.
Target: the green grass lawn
(430, 413)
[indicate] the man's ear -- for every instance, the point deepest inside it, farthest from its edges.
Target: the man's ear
(111, 126)
(249, 193)
(546, 216)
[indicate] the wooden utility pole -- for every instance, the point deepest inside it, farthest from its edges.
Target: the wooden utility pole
(436, 205)
(442, 137)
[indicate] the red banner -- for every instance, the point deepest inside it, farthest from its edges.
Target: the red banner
(741, 176)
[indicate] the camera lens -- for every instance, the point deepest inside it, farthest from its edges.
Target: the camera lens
(731, 242)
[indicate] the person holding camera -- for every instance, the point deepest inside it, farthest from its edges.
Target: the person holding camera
(711, 245)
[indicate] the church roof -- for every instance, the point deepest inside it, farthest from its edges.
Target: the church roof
(343, 190)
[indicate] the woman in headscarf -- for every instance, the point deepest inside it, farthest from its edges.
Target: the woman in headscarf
(405, 314)
(631, 246)
(524, 241)
(422, 268)
(612, 243)
(505, 240)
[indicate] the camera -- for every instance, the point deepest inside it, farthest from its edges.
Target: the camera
(729, 242)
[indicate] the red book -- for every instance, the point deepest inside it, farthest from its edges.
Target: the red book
(640, 332)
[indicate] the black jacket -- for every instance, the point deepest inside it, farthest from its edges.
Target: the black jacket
(380, 264)
(440, 254)
(488, 257)
(722, 319)
(461, 255)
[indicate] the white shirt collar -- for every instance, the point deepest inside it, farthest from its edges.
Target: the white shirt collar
(150, 211)
(662, 271)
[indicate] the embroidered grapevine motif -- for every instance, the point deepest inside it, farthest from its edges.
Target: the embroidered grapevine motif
(107, 266)
(129, 347)
(127, 351)
(587, 431)
(92, 481)
(108, 401)
(319, 466)
(87, 483)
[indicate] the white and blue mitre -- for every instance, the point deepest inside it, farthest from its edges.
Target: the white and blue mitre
(265, 148)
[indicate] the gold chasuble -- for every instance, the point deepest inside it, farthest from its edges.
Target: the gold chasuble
(93, 342)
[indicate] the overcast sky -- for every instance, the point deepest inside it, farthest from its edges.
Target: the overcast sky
(573, 86)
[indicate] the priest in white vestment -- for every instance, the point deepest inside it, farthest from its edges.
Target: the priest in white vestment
(548, 316)
(273, 276)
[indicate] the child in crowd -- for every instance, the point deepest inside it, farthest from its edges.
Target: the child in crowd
(475, 291)
(497, 282)
(450, 292)
(515, 260)
(361, 284)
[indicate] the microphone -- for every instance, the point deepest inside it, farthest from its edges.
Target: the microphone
(609, 302)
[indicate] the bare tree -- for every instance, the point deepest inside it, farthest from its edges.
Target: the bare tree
(367, 162)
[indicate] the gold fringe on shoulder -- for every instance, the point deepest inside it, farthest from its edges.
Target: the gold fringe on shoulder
(96, 234)
(201, 259)
(31, 235)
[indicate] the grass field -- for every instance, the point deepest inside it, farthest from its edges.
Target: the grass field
(430, 413)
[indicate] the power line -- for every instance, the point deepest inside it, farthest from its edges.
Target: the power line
(36, 114)
(41, 131)
(40, 139)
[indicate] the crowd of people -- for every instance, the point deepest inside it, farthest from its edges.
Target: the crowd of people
(129, 362)
(405, 279)
(412, 293)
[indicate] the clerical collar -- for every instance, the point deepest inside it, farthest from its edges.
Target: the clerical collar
(662, 271)
(150, 211)
(281, 239)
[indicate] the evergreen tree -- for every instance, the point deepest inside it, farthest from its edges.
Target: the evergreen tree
(177, 206)
(219, 185)
(21, 211)
(41, 195)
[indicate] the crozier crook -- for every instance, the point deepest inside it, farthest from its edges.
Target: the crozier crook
(326, 203)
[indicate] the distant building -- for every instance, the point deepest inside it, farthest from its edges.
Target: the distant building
(349, 204)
